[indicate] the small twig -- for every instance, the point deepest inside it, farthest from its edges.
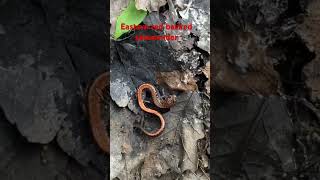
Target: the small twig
(204, 172)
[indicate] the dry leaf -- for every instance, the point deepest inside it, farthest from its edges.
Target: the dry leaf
(150, 5)
(153, 167)
(191, 133)
(176, 80)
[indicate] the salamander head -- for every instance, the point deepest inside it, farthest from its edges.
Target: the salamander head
(169, 100)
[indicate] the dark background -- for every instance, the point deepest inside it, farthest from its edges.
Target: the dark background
(44, 44)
